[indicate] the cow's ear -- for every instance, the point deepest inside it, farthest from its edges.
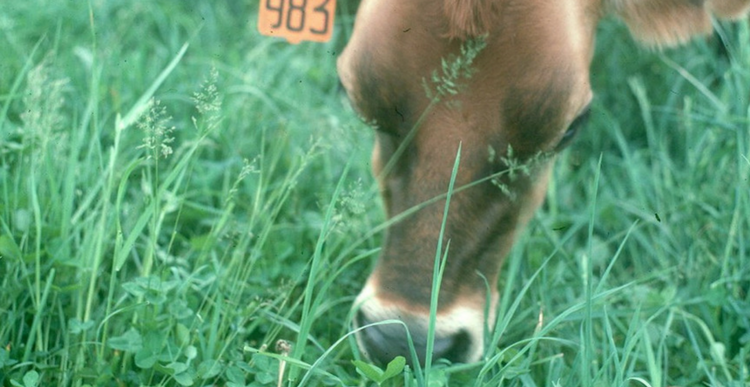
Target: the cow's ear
(661, 23)
(729, 9)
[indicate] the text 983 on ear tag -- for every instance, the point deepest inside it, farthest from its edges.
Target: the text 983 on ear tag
(297, 20)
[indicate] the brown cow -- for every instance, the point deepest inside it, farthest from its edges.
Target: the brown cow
(529, 94)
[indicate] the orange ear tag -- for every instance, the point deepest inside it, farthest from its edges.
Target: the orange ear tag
(297, 20)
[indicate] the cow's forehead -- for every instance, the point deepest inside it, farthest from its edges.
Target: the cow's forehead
(537, 61)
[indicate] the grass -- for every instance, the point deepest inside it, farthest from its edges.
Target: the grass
(178, 194)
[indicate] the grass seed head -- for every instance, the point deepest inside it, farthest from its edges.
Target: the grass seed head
(158, 132)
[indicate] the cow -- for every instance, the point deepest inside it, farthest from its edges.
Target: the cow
(525, 94)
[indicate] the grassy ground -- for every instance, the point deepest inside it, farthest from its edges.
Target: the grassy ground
(177, 194)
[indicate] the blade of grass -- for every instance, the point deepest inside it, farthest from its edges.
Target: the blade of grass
(438, 268)
(35, 330)
(306, 320)
(13, 92)
(140, 106)
(718, 104)
(587, 334)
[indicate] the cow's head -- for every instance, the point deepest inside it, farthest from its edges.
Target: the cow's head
(527, 98)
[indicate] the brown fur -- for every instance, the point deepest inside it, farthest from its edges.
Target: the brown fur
(470, 18)
(660, 23)
(653, 22)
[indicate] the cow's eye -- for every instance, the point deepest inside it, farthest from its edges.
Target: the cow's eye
(579, 123)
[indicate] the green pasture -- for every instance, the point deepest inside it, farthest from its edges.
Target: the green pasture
(186, 203)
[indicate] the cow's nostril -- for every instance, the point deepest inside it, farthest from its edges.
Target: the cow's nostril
(382, 343)
(454, 348)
